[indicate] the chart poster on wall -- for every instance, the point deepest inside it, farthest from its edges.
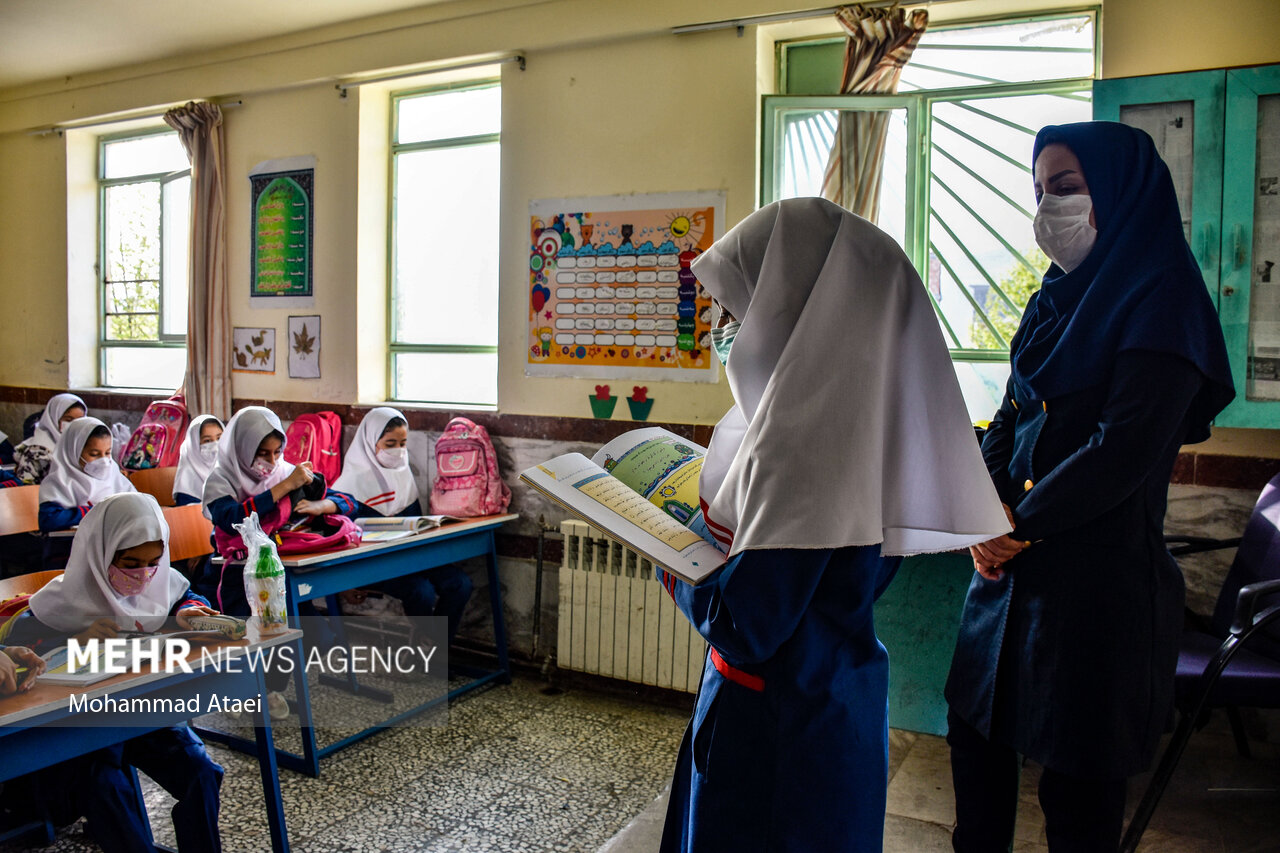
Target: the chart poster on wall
(611, 292)
(282, 193)
(304, 347)
(254, 349)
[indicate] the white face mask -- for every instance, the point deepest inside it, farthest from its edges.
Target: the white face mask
(390, 457)
(261, 468)
(1062, 229)
(209, 450)
(100, 468)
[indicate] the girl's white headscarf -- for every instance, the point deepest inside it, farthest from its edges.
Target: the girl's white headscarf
(388, 490)
(82, 594)
(193, 467)
(849, 427)
(232, 475)
(48, 427)
(67, 484)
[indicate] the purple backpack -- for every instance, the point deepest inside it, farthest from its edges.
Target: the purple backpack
(467, 480)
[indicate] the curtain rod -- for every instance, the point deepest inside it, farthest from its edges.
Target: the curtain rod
(779, 17)
(433, 69)
(123, 117)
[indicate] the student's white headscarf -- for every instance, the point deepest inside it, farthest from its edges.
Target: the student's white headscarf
(67, 484)
(232, 475)
(193, 466)
(849, 427)
(388, 490)
(82, 594)
(48, 426)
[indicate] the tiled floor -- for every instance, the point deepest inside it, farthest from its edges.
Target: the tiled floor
(517, 769)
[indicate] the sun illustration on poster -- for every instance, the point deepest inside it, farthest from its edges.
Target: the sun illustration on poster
(686, 226)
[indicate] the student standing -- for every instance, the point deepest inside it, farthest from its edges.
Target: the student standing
(31, 457)
(1070, 631)
(849, 446)
(376, 473)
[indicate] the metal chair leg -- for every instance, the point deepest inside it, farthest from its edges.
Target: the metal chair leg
(1238, 732)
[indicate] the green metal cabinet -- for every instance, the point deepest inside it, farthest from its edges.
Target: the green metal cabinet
(1219, 131)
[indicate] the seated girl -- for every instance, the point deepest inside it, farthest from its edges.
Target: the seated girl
(250, 476)
(376, 473)
(196, 459)
(81, 473)
(31, 457)
(118, 579)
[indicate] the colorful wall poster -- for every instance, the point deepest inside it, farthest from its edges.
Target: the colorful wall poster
(304, 347)
(611, 292)
(254, 349)
(283, 199)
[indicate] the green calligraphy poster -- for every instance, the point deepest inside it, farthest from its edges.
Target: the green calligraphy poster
(283, 228)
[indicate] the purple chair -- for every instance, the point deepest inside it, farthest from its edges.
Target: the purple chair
(1215, 670)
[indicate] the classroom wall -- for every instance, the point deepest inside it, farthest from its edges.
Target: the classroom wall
(610, 103)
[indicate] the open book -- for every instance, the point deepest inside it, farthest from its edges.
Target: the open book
(387, 528)
(642, 490)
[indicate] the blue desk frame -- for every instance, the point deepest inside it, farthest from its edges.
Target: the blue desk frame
(45, 738)
(325, 575)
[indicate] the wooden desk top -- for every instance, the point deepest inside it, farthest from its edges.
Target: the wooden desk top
(300, 561)
(46, 697)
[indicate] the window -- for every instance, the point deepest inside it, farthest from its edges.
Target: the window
(956, 189)
(144, 213)
(444, 245)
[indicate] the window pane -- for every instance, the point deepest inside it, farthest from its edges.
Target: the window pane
(457, 378)
(983, 260)
(131, 308)
(449, 115)
(177, 238)
(982, 384)
(807, 139)
(144, 367)
(147, 155)
(1001, 53)
(132, 232)
(1264, 288)
(446, 276)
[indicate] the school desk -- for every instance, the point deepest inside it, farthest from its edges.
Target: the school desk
(38, 730)
(324, 575)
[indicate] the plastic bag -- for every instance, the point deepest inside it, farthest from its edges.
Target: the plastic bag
(263, 578)
(120, 435)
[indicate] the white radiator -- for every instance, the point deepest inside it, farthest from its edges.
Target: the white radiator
(617, 621)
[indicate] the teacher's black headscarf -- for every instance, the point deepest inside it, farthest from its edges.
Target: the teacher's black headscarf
(1138, 289)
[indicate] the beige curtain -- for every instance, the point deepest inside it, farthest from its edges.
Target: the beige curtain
(208, 380)
(880, 42)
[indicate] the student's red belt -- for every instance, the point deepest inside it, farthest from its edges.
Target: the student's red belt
(737, 676)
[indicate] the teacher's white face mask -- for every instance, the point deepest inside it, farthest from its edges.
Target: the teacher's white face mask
(1062, 229)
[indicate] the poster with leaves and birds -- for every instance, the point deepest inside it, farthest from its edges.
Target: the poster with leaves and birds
(304, 347)
(253, 349)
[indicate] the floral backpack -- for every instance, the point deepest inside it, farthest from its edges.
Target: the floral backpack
(467, 482)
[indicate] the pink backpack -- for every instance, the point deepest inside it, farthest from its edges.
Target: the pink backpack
(316, 437)
(341, 532)
(467, 479)
(156, 441)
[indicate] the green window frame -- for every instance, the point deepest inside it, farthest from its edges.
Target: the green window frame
(167, 341)
(398, 346)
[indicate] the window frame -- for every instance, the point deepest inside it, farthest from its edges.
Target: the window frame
(163, 341)
(919, 106)
(395, 347)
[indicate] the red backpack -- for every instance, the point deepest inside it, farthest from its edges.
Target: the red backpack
(467, 479)
(316, 437)
(325, 532)
(156, 441)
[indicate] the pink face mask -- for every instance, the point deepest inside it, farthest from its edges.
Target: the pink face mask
(129, 582)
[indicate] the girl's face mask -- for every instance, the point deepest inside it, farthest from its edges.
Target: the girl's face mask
(390, 457)
(1062, 228)
(209, 450)
(722, 340)
(261, 468)
(129, 582)
(98, 469)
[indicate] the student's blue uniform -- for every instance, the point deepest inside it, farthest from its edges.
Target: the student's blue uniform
(442, 591)
(54, 517)
(788, 746)
(97, 786)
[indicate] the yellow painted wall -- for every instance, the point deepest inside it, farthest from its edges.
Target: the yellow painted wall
(611, 103)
